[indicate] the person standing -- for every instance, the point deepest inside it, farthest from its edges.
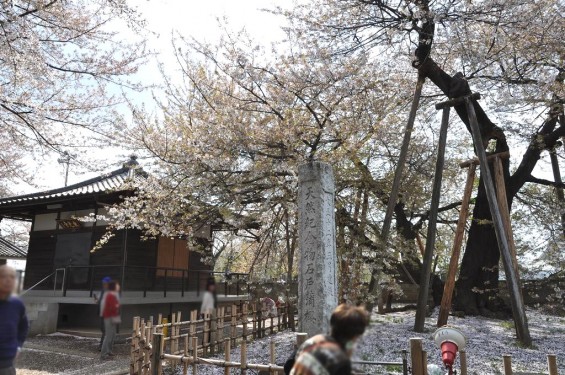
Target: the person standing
(209, 298)
(110, 307)
(13, 321)
(98, 299)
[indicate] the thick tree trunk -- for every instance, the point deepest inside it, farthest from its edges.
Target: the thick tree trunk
(478, 278)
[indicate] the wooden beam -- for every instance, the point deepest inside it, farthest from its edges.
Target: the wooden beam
(431, 237)
(401, 160)
(505, 212)
(518, 310)
(457, 101)
(490, 158)
(456, 250)
(557, 179)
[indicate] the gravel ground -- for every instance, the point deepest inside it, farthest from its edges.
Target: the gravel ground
(487, 341)
(62, 354)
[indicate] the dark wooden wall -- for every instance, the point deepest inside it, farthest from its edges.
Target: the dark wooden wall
(41, 252)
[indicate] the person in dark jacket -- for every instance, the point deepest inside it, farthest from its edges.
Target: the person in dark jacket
(13, 321)
(330, 354)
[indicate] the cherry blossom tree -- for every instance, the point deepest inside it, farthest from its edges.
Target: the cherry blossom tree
(510, 51)
(63, 67)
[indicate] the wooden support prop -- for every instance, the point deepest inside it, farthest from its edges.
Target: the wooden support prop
(416, 356)
(557, 179)
(457, 101)
(490, 157)
(552, 364)
(456, 250)
(227, 356)
(507, 364)
(157, 344)
(194, 355)
(401, 160)
(505, 213)
(518, 309)
(420, 244)
(432, 223)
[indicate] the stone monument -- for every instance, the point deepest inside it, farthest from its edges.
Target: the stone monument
(317, 280)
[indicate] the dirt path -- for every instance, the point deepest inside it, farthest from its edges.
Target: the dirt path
(59, 354)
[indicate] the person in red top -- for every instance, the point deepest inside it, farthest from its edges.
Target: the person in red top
(110, 311)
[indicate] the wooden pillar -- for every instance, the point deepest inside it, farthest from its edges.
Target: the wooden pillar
(456, 250)
(507, 364)
(518, 309)
(416, 356)
(552, 364)
(431, 238)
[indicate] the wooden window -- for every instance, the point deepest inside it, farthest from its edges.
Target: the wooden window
(172, 253)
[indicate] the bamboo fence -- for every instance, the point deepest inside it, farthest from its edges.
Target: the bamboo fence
(228, 326)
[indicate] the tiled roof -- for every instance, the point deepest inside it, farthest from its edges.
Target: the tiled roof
(112, 181)
(10, 251)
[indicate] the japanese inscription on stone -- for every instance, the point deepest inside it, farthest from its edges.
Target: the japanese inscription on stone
(317, 257)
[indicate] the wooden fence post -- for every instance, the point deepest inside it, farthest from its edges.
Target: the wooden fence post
(185, 354)
(300, 338)
(507, 364)
(552, 364)
(425, 362)
(416, 356)
(272, 355)
(233, 328)
(194, 355)
(213, 331)
(463, 362)
(245, 319)
(134, 345)
(157, 345)
(227, 356)
(243, 358)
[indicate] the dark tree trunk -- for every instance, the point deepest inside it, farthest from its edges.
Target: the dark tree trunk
(478, 277)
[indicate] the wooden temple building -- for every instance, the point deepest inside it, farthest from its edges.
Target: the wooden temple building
(62, 275)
